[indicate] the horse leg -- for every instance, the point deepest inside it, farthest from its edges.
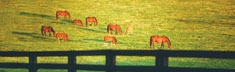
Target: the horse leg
(49, 33)
(116, 31)
(74, 25)
(162, 45)
(105, 43)
(111, 43)
(45, 33)
(65, 17)
(58, 39)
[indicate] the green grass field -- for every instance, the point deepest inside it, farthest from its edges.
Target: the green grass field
(189, 24)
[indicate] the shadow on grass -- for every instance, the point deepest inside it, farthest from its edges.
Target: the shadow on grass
(96, 40)
(92, 30)
(63, 22)
(36, 15)
(193, 21)
(33, 35)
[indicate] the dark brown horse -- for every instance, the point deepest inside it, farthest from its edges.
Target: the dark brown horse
(45, 29)
(92, 20)
(62, 35)
(79, 22)
(116, 28)
(161, 40)
(110, 38)
(62, 13)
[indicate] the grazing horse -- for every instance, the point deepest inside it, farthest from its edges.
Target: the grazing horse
(62, 35)
(160, 39)
(110, 38)
(129, 29)
(92, 20)
(79, 22)
(115, 28)
(49, 29)
(62, 13)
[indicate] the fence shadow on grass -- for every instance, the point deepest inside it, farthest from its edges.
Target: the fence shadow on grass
(2, 71)
(37, 15)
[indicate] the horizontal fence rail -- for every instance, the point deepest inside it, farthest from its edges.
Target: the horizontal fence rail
(161, 62)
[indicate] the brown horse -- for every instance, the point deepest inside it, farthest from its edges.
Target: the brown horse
(62, 13)
(49, 29)
(79, 22)
(92, 20)
(129, 29)
(110, 38)
(115, 28)
(160, 39)
(62, 35)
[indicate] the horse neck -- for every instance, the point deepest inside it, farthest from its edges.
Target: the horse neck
(115, 40)
(69, 16)
(66, 37)
(96, 21)
(168, 42)
(120, 30)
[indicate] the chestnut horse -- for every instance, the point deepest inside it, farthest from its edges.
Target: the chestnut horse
(62, 35)
(110, 38)
(49, 29)
(62, 13)
(160, 39)
(115, 28)
(129, 29)
(92, 20)
(79, 22)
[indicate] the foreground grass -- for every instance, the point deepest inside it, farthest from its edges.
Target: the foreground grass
(190, 25)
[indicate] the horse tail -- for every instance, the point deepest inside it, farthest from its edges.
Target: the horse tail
(151, 40)
(169, 42)
(108, 29)
(42, 29)
(87, 21)
(57, 15)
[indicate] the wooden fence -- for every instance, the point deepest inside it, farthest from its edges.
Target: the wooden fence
(161, 61)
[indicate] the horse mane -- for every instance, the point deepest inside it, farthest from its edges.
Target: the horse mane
(51, 29)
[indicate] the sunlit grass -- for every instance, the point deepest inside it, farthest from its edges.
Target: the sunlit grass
(190, 25)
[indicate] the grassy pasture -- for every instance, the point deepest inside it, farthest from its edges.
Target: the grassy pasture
(189, 24)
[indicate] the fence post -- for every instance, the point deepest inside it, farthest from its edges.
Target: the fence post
(110, 61)
(72, 63)
(32, 63)
(161, 63)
